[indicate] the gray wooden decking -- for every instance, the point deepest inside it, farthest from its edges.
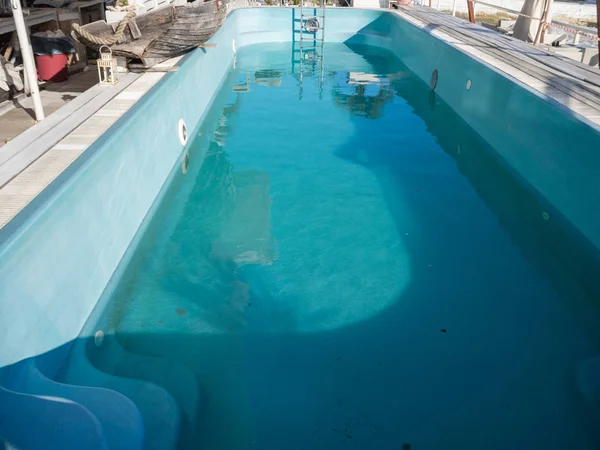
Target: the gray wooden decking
(17, 116)
(35, 158)
(565, 81)
(28, 146)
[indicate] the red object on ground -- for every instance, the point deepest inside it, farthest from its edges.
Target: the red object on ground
(52, 68)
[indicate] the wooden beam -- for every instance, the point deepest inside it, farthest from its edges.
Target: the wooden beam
(136, 68)
(134, 29)
(540, 29)
(205, 45)
(471, 11)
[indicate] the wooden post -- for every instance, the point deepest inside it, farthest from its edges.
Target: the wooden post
(430, 3)
(536, 41)
(540, 29)
(471, 11)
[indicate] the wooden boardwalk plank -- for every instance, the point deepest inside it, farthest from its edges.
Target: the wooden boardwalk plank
(569, 82)
(33, 143)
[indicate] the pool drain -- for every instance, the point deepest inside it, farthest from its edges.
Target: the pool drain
(434, 79)
(183, 136)
(545, 216)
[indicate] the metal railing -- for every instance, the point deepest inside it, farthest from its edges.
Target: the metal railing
(576, 30)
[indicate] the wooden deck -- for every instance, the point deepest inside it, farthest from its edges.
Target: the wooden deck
(17, 115)
(565, 81)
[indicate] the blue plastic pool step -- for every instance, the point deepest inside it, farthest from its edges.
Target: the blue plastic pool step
(119, 417)
(173, 376)
(160, 412)
(48, 423)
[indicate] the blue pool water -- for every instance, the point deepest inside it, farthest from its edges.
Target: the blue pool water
(345, 264)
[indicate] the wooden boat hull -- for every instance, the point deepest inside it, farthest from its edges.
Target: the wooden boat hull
(165, 32)
(192, 26)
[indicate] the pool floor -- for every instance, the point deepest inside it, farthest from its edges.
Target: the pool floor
(346, 265)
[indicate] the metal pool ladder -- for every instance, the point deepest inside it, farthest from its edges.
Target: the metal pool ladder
(311, 37)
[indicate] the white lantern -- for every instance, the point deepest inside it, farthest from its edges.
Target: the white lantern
(108, 71)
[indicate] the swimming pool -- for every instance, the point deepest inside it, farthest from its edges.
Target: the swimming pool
(352, 260)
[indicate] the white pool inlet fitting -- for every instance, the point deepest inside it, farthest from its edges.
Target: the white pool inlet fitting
(182, 130)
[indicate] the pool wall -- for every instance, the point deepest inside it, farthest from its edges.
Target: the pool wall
(55, 266)
(544, 143)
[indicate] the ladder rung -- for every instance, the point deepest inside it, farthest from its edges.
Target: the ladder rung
(307, 37)
(320, 27)
(302, 31)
